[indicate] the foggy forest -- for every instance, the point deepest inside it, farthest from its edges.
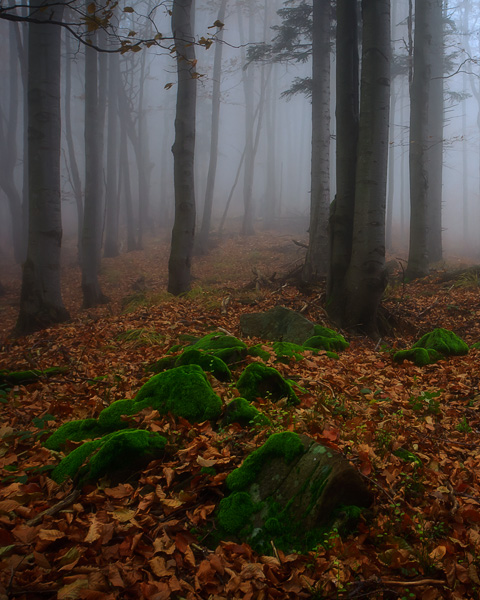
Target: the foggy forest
(239, 299)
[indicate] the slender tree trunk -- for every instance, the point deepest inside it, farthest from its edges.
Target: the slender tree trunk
(93, 210)
(202, 242)
(347, 115)
(143, 160)
(72, 159)
(365, 279)
(8, 140)
(419, 115)
(127, 190)
(179, 276)
(316, 261)
(111, 247)
(435, 136)
(41, 301)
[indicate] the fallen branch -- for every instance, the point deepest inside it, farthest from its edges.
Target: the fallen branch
(53, 510)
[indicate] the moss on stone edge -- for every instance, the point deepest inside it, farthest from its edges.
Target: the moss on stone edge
(326, 339)
(242, 412)
(226, 347)
(208, 362)
(75, 431)
(114, 452)
(433, 346)
(260, 381)
(286, 444)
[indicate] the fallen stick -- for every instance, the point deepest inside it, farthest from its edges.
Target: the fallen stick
(53, 510)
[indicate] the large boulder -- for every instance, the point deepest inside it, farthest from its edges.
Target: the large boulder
(433, 346)
(290, 490)
(279, 324)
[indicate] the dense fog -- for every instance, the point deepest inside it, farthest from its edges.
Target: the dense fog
(252, 100)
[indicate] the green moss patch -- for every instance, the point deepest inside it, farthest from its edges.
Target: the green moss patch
(326, 339)
(226, 347)
(75, 431)
(290, 491)
(432, 346)
(183, 391)
(208, 362)
(242, 412)
(286, 445)
(116, 454)
(260, 381)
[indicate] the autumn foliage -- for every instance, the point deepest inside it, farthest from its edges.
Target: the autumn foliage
(411, 431)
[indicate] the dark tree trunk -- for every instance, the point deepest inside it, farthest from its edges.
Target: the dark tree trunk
(41, 301)
(202, 241)
(347, 109)
(179, 276)
(93, 209)
(111, 247)
(316, 261)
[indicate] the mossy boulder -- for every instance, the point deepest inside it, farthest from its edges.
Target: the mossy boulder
(117, 455)
(76, 431)
(279, 324)
(437, 344)
(226, 347)
(182, 391)
(163, 364)
(208, 362)
(290, 490)
(326, 339)
(260, 381)
(242, 412)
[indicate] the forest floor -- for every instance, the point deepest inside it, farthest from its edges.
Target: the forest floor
(136, 540)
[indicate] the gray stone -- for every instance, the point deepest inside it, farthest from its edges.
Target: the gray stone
(279, 324)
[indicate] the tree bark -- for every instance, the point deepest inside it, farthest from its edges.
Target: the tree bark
(93, 209)
(419, 114)
(316, 261)
(111, 247)
(179, 265)
(41, 301)
(365, 278)
(202, 242)
(347, 115)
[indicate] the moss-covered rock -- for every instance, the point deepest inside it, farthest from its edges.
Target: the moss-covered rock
(326, 339)
(163, 364)
(226, 347)
(115, 455)
(279, 324)
(290, 490)
(183, 391)
(242, 412)
(260, 381)
(208, 362)
(259, 352)
(285, 351)
(433, 346)
(75, 431)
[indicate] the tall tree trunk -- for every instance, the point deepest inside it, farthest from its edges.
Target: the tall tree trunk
(143, 160)
(202, 240)
(419, 130)
(8, 143)
(75, 180)
(347, 109)
(179, 276)
(111, 247)
(41, 301)
(365, 279)
(93, 209)
(435, 136)
(316, 261)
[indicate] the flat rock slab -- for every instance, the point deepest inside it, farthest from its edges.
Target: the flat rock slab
(279, 324)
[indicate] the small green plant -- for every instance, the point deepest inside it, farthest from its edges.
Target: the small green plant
(425, 402)
(463, 426)
(141, 337)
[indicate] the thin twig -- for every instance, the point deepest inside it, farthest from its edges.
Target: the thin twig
(53, 510)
